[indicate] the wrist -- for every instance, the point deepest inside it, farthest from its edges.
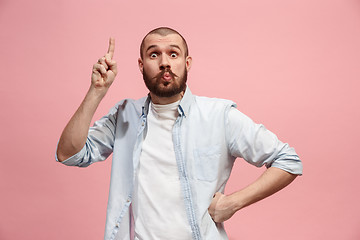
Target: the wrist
(96, 94)
(238, 201)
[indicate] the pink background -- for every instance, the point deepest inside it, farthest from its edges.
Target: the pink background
(291, 65)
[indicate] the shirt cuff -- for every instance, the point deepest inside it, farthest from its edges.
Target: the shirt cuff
(294, 167)
(74, 159)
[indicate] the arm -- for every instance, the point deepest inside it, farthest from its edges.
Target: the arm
(272, 180)
(259, 147)
(74, 135)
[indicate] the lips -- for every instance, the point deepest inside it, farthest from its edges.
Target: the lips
(167, 76)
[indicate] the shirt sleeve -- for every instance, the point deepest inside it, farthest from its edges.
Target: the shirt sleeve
(99, 143)
(259, 146)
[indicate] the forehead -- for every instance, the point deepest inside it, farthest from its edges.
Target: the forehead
(164, 41)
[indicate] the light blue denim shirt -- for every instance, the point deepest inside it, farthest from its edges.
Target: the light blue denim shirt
(208, 135)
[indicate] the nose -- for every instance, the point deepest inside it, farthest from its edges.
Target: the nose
(164, 62)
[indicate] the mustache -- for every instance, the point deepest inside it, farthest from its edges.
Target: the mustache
(161, 73)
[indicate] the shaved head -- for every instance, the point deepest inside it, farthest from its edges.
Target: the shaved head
(163, 31)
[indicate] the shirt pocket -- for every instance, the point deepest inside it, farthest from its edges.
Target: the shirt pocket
(207, 163)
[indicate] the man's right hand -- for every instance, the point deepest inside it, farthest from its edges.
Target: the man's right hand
(104, 71)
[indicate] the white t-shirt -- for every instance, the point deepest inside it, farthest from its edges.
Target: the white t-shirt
(158, 205)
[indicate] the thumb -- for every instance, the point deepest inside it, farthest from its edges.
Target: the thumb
(112, 65)
(213, 203)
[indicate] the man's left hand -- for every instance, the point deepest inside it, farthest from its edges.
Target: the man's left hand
(221, 208)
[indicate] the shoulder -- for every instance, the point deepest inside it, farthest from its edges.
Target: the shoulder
(128, 105)
(211, 108)
(213, 103)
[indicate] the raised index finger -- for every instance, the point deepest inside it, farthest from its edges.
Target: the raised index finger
(111, 47)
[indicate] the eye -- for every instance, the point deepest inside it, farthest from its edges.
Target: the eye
(153, 55)
(173, 55)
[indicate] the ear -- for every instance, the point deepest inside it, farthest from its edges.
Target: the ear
(188, 63)
(141, 65)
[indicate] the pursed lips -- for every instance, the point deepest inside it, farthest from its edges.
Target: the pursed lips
(166, 75)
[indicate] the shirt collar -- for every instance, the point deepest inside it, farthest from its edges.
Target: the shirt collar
(186, 102)
(184, 105)
(145, 108)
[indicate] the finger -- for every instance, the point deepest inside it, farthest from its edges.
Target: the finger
(217, 195)
(111, 63)
(113, 67)
(108, 58)
(96, 73)
(111, 47)
(103, 62)
(213, 202)
(99, 68)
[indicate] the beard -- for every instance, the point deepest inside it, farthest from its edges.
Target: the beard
(162, 89)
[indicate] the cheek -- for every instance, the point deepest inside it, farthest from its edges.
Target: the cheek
(150, 67)
(179, 66)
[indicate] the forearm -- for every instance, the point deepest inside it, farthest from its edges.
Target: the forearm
(271, 181)
(75, 133)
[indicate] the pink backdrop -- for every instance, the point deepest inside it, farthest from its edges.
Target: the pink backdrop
(291, 65)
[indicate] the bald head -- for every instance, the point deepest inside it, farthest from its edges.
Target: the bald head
(163, 31)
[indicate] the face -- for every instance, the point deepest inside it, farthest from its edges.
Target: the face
(164, 65)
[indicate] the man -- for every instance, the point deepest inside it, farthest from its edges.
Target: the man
(172, 151)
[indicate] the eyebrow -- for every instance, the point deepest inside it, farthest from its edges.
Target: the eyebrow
(176, 46)
(155, 46)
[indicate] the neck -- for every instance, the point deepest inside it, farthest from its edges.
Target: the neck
(165, 100)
